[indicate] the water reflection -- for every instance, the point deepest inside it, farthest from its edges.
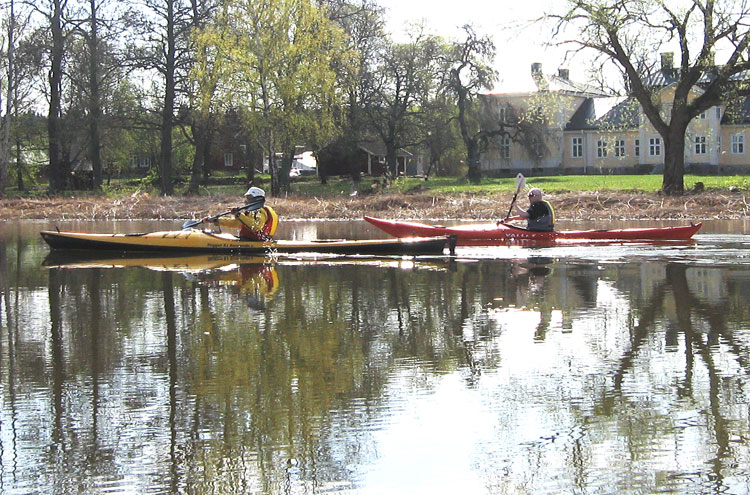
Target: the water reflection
(541, 373)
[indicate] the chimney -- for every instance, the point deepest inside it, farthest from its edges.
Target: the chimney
(667, 60)
(563, 74)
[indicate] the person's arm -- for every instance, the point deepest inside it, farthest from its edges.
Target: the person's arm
(521, 213)
(509, 219)
(229, 222)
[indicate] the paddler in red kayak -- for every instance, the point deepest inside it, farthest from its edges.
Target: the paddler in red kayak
(540, 216)
(258, 223)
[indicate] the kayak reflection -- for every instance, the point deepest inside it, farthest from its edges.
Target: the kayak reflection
(255, 279)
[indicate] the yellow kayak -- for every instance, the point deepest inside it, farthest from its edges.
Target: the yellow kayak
(192, 240)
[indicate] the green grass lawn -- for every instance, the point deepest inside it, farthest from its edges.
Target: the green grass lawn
(550, 184)
(311, 186)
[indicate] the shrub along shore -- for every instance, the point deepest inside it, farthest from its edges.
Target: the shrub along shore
(718, 198)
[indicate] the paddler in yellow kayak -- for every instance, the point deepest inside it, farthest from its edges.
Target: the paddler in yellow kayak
(256, 221)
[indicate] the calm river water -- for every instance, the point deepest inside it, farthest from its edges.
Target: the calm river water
(503, 370)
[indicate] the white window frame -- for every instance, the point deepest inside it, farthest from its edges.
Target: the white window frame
(576, 147)
(142, 161)
(637, 147)
(699, 145)
(505, 148)
(619, 148)
(718, 113)
(654, 146)
(601, 148)
(228, 159)
(738, 144)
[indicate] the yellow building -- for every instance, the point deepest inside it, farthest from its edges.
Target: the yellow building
(587, 132)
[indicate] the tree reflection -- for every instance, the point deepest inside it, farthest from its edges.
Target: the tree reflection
(272, 377)
(684, 314)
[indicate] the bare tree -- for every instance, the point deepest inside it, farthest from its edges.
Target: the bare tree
(631, 33)
(10, 64)
(468, 71)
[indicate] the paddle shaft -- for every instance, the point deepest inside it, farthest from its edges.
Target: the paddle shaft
(254, 204)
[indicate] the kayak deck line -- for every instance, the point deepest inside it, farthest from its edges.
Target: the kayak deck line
(499, 231)
(200, 241)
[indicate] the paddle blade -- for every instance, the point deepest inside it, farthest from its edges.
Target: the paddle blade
(190, 223)
(254, 204)
(520, 182)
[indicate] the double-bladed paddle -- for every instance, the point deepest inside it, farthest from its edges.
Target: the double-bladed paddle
(520, 182)
(255, 204)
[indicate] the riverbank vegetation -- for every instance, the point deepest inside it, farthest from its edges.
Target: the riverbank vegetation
(574, 198)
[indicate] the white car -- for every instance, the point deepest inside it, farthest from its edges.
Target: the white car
(294, 172)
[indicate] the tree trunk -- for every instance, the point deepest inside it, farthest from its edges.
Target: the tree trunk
(472, 154)
(674, 160)
(57, 173)
(196, 174)
(474, 172)
(19, 166)
(286, 166)
(391, 159)
(5, 146)
(165, 155)
(95, 110)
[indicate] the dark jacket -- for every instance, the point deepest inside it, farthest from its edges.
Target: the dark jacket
(541, 216)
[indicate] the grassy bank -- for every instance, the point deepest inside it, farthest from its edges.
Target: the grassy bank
(574, 198)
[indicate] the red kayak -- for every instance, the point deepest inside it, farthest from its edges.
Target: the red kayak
(469, 234)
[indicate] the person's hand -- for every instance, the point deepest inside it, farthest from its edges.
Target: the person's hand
(235, 210)
(208, 220)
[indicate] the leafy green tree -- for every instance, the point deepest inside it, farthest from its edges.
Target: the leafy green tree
(363, 21)
(398, 86)
(284, 53)
(630, 33)
(201, 87)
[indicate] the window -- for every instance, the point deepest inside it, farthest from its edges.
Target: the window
(601, 148)
(703, 115)
(505, 148)
(718, 144)
(654, 146)
(619, 147)
(228, 159)
(577, 147)
(738, 144)
(142, 161)
(637, 147)
(501, 114)
(700, 145)
(718, 113)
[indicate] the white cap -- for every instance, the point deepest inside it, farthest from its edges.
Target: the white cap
(255, 192)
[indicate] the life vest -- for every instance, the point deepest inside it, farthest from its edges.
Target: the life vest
(257, 225)
(544, 222)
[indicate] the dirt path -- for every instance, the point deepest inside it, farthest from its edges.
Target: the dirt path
(590, 206)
